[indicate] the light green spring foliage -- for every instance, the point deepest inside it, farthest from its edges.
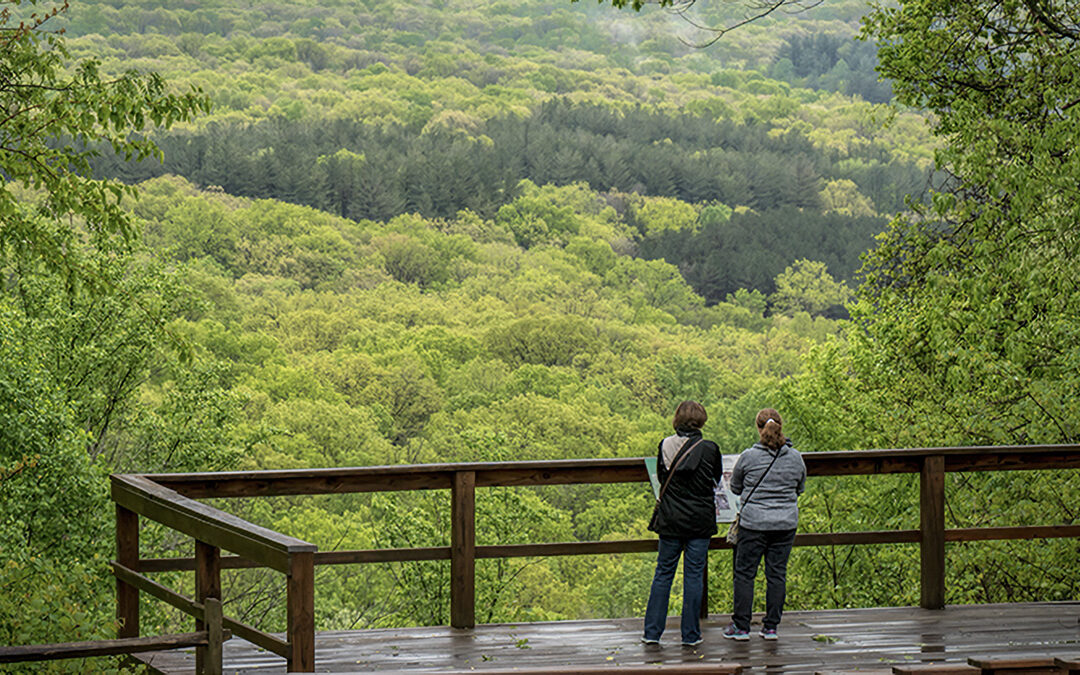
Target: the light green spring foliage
(363, 343)
(454, 65)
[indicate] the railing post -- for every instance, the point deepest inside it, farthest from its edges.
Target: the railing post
(932, 532)
(301, 613)
(211, 664)
(463, 550)
(207, 587)
(127, 554)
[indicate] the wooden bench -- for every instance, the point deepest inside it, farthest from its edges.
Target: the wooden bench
(82, 650)
(208, 641)
(936, 669)
(657, 669)
(1029, 665)
(1071, 665)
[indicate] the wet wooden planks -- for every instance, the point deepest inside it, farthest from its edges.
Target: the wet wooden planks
(810, 641)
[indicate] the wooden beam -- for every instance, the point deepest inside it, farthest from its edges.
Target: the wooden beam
(1031, 665)
(1019, 532)
(92, 648)
(936, 669)
(1071, 666)
(566, 548)
(382, 555)
(609, 470)
(309, 482)
(378, 555)
(463, 550)
(932, 528)
(555, 474)
(212, 652)
(301, 613)
(257, 637)
(205, 523)
(1030, 458)
(127, 553)
(207, 589)
(649, 669)
(253, 635)
(549, 549)
(163, 593)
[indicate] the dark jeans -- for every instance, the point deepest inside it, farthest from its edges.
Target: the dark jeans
(775, 546)
(667, 560)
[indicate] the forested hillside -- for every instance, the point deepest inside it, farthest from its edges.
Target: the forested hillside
(385, 233)
(346, 109)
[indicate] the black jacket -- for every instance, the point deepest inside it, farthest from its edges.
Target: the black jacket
(687, 510)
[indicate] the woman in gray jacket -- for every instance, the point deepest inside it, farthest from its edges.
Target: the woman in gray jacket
(769, 476)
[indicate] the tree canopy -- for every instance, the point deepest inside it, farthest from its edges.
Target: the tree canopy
(974, 295)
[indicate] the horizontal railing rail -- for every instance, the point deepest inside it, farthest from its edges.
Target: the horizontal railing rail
(169, 498)
(398, 478)
(389, 555)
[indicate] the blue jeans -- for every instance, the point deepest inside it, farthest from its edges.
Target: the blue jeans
(667, 560)
(775, 547)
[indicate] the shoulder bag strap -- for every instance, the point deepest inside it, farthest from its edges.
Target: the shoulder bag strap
(679, 458)
(762, 479)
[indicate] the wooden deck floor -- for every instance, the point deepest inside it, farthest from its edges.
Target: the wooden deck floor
(855, 639)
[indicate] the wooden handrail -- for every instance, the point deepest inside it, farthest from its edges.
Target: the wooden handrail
(711, 668)
(205, 523)
(570, 471)
(213, 530)
(168, 498)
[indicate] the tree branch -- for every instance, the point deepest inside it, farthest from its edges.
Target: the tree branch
(1039, 13)
(763, 9)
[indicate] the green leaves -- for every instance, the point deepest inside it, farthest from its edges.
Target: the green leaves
(50, 119)
(84, 314)
(986, 278)
(966, 320)
(807, 286)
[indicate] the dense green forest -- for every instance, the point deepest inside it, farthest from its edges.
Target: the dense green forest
(375, 233)
(337, 108)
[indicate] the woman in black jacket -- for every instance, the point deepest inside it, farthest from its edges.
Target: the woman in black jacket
(685, 521)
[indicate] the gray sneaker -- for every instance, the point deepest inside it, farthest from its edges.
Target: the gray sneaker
(732, 632)
(769, 634)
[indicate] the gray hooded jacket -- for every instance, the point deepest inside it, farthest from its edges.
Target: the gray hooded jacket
(773, 505)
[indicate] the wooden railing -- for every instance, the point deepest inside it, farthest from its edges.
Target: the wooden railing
(167, 498)
(212, 530)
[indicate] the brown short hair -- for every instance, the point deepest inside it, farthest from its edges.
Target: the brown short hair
(690, 414)
(771, 428)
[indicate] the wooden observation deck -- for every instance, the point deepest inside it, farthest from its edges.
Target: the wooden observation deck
(870, 640)
(862, 639)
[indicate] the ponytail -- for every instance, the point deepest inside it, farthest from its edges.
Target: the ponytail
(770, 427)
